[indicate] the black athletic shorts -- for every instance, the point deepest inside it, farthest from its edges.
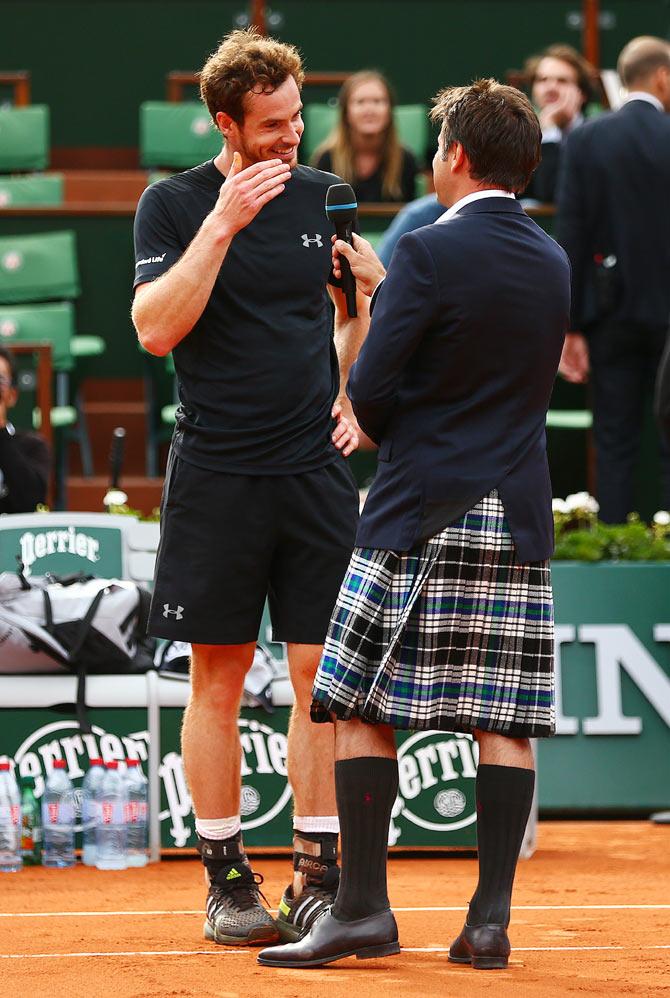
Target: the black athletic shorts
(229, 541)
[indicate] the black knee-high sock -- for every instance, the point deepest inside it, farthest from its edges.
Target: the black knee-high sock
(366, 790)
(504, 798)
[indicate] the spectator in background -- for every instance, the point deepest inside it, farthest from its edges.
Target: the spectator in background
(561, 83)
(364, 148)
(613, 218)
(24, 457)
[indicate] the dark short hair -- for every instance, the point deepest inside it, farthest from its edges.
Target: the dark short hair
(496, 126)
(586, 74)
(8, 356)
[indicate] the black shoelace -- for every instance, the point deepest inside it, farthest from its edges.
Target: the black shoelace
(245, 892)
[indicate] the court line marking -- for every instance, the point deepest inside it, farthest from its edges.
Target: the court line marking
(227, 952)
(188, 911)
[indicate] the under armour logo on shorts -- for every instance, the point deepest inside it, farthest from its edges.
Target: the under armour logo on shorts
(177, 613)
(316, 240)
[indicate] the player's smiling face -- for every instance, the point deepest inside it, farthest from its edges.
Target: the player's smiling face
(272, 126)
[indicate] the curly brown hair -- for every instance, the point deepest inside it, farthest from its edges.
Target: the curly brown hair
(246, 62)
(586, 74)
(497, 128)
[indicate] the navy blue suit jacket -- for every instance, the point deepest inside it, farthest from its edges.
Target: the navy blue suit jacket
(455, 376)
(614, 199)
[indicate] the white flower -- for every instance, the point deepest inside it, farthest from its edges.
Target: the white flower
(559, 506)
(115, 497)
(583, 501)
(662, 518)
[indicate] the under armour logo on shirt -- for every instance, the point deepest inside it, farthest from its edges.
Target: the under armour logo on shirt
(177, 613)
(316, 240)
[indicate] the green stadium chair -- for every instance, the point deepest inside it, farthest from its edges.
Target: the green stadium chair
(38, 267)
(38, 323)
(411, 122)
(53, 323)
(178, 135)
(24, 138)
(32, 191)
(319, 121)
(43, 268)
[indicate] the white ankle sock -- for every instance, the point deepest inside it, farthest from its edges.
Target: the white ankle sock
(218, 829)
(316, 824)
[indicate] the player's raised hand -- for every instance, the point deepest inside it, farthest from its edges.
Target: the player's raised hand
(244, 193)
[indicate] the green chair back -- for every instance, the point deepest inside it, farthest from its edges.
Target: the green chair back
(37, 323)
(24, 138)
(39, 267)
(176, 134)
(33, 191)
(411, 121)
(319, 121)
(412, 124)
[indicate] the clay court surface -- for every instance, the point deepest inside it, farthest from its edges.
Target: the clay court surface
(591, 916)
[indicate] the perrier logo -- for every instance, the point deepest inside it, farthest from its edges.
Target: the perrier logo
(68, 540)
(437, 772)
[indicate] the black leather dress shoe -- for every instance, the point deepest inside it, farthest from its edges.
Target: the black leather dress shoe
(486, 947)
(329, 940)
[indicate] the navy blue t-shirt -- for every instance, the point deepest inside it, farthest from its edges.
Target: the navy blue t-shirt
(258, 373)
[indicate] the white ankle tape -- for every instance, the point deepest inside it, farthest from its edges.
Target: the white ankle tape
(316, 824)
(218, 828)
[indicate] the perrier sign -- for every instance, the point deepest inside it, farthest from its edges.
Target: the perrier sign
(435, 804)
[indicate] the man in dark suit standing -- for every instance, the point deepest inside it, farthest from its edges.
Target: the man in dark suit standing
(614, 222)
(444, 619)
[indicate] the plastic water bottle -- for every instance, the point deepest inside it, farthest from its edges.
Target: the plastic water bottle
(31, 824)
(136, 814)
(90, 810)
(10, 821)
(110, 838)
(58, 818)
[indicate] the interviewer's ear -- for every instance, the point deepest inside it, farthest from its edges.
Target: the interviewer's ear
(456, 157)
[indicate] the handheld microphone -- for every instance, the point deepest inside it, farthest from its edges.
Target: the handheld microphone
(341, 209)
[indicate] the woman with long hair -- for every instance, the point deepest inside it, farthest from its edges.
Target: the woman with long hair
(363, 149)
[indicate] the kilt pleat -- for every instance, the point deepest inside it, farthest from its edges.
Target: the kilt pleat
(455, 634)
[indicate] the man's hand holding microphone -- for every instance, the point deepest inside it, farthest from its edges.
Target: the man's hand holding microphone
(365, 265)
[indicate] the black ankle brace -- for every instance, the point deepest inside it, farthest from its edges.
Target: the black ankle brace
(314, 853)
(217, 853)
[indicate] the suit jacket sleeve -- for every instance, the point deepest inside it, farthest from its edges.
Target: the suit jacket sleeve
(572, 218)
(403, 306)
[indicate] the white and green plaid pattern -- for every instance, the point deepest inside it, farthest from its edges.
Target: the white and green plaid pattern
(455, 634)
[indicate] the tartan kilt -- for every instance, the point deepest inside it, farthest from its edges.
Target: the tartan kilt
(455, 634)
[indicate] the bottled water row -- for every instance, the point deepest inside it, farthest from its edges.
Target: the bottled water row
(113, 818)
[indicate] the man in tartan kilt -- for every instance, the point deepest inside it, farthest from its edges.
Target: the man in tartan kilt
(445, 617)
